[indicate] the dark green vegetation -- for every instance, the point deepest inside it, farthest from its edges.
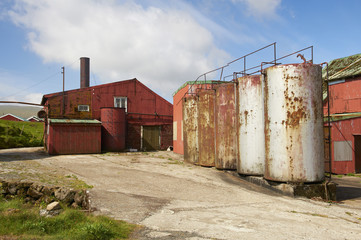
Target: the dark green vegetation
(24, 222)
(20, 134)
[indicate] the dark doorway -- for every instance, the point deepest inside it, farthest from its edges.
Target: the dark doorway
(151, 138)
(357, 153)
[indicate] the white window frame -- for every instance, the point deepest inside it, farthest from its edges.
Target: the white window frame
(120, 101)
(81, 108)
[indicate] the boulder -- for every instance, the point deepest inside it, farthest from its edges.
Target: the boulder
(34, 193)
(65, 195)
(53, 206)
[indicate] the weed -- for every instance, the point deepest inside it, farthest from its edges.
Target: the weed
(348, 213)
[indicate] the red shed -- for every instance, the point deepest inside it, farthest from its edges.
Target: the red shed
(148, 116)
(66, 136)
(11, 117)
(345, 110)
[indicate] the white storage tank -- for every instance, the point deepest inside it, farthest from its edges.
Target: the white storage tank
(294, 123)
(251, 140)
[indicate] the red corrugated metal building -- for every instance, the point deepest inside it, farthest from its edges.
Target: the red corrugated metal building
(185, 90)
(344, 80)
(148, 116)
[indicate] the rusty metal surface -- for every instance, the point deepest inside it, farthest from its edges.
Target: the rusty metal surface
(293, 123)
(225, 114)
(190, 129)
(113, 129)
(84, 72)
(251, 139)
(206, 130)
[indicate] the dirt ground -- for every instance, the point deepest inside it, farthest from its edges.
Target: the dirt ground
(171, 199)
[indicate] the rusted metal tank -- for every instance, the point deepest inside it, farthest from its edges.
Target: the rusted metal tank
(190, 129)
(206, 118)
(113, 129)
(225, 125)
(251, 126)
(294, 123)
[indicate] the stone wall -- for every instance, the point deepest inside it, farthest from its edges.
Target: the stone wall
(36, 193)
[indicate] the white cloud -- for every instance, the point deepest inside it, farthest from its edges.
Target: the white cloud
(13, 92)
(261, 8)
(162, 47)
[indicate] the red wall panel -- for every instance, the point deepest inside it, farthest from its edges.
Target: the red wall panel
(345, 131)
(74, 138)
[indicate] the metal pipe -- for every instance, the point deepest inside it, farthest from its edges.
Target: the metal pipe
(26, 103)
(251, 53)
(150, 114)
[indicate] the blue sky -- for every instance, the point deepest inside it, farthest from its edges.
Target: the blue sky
(161, 43)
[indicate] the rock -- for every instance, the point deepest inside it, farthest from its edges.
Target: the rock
(53, 206)
(13, 188)
(79, 197)
(47, 191)
(43, 212)
(65, 195)
(54, 213)
(75, 205)
(34, 193)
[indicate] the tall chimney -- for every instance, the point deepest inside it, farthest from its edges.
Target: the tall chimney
(84, 72)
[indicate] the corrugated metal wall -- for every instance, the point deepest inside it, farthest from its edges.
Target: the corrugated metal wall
(74, 138)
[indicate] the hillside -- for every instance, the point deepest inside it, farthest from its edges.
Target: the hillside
(20, 111)
(20, 134)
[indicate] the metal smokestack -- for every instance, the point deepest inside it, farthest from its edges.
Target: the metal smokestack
(84, 72)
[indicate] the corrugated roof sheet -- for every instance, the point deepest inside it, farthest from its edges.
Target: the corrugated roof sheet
(342, 68)
(75, 121)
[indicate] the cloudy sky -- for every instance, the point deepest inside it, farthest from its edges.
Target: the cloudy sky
(162, 43)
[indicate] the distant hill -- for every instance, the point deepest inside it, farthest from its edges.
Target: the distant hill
(20, 111)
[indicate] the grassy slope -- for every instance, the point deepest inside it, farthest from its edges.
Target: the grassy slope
(20, 134)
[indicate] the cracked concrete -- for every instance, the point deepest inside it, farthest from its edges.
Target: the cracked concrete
(175, 200)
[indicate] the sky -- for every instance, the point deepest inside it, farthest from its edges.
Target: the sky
(162, 43)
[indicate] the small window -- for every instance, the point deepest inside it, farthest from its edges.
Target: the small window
(120, 102)
(83, 108)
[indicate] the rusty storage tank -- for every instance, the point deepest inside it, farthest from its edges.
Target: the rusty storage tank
(251, 139)
(206, 135)
(113, 129)
(190, 129)
(225, 125)
(294, 123)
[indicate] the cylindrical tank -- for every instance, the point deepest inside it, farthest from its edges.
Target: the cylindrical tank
(206, 140)
(113, 129)
(226, 136)
(190, 129)
(251, 139)
(294, 123)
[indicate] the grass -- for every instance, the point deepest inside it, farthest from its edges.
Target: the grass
(20, 134)
(23, 220)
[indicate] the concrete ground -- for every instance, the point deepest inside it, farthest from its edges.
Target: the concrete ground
(175, 200)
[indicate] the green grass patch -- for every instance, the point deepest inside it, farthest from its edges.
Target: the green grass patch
(24, 221)
(20, 134)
